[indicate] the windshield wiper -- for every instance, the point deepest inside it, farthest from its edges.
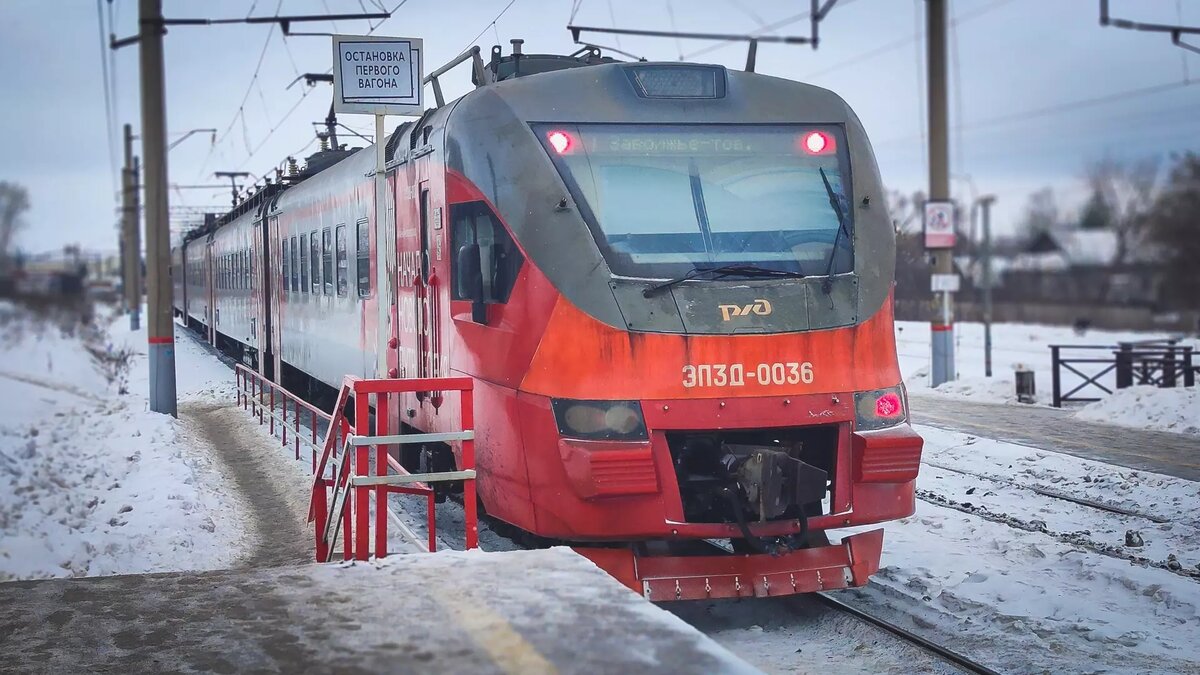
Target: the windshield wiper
(827, 285)
(739, 269)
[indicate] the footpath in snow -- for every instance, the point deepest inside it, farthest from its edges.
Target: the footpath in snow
(91, 482)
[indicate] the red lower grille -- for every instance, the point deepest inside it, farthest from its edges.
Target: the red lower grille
(599, 469)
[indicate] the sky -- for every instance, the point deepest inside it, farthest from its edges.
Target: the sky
(1038, 89)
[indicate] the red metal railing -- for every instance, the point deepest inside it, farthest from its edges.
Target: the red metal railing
(262, 398)
(350, 469)
(365, 468)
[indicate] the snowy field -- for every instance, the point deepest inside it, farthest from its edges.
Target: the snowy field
(91, 483)
(1028, 347)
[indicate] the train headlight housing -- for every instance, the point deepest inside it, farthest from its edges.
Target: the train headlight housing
(599, 420)
(881, 408)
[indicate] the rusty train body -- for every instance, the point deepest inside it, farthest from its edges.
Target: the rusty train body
(671, 284)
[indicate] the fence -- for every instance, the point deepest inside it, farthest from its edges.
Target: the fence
(1160, 363)
(351, 467)
(261, 396)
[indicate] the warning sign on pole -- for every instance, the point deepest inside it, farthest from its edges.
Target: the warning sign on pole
(939, 224)
(377, 75)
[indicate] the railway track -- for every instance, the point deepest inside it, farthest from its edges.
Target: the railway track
(959, 661)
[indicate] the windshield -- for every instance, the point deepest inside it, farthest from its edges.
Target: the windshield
(665, 200)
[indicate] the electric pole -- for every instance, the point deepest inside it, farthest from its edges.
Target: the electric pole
(942, 325)
(985, 204)
(132, 251)
(161, 333)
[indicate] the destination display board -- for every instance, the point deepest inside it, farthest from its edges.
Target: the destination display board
(377, 75)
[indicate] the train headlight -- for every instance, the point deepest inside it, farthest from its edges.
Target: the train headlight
(880, 408)
(599, 420)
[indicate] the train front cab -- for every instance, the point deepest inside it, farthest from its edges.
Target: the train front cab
(693, 377)
(723, 494)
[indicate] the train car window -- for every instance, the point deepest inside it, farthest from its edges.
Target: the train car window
(499, 258)
(297, 263)
(343, 263)
(303, 263)
(314, 261)
(287, 266)
(363, 261)
(327, 260)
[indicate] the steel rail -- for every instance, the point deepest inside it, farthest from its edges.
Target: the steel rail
(953, 657)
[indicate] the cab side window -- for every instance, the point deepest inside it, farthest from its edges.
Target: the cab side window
(499, 259)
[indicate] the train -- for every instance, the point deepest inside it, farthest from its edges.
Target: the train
(672, 287)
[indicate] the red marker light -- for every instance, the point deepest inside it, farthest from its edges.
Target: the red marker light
(817, 143)
(888, 405)
(560, 140)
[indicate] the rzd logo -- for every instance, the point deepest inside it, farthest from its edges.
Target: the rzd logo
(759, 307)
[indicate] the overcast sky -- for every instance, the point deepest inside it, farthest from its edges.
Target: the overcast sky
(1038, 88)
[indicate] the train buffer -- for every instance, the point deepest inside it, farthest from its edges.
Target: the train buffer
(539, 611)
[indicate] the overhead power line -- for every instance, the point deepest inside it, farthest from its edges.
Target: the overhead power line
(489, 25)
(109, 129)
(1068, 106)
(898, 43)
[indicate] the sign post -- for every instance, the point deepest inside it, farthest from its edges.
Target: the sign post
(379, 76)
(939, 237)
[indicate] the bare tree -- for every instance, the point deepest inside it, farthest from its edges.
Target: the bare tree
(912, 262)
(14, 202)
(1127, 191)
(1174, 230)
(1041, 214)
(906, 210)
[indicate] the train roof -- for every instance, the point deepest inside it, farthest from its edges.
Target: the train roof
(665, 92)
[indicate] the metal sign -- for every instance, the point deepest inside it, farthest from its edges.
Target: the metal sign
(944, 282)
(377, 75)
(939, 224)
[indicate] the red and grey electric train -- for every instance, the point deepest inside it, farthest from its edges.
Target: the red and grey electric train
(671, 283)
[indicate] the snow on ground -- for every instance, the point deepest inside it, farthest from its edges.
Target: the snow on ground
(91, 482)
(993, 566)
(1027, 346)
(1146, 407)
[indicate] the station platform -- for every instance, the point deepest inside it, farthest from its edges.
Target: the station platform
(522, 611)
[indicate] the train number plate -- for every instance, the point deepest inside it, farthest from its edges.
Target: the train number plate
(738, 374)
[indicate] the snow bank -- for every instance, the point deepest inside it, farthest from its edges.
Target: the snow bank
(1025, 346)
(91, 482)
(1146, 407)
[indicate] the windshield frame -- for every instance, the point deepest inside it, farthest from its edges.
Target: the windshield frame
(843, 254)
